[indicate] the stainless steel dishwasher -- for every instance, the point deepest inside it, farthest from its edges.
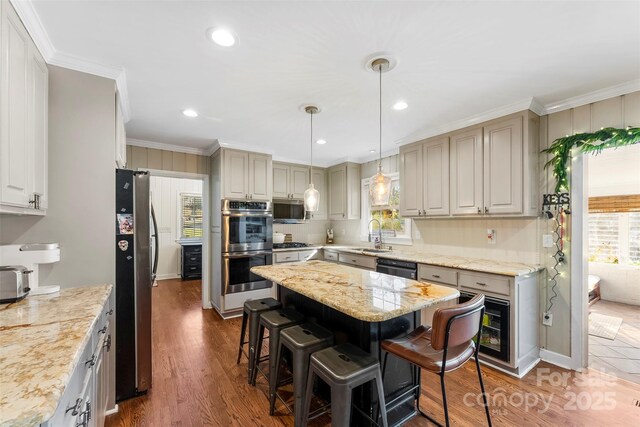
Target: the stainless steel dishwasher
(394, 267)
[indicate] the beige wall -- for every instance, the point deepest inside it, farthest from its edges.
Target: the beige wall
(618, 111)
(81, 183)
(151, 158)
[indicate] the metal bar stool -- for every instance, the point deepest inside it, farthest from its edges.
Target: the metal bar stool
(275, 321)
(302, 340)
(446, 346)
(251, 314)
(343, 368)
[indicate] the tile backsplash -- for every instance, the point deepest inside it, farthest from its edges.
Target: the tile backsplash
(312, 232)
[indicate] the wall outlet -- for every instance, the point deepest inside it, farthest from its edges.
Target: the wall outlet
(547, 241)
(491, 236)
(547, 319)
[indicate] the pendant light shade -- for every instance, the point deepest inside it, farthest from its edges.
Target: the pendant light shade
(380, 184)
(311, 195)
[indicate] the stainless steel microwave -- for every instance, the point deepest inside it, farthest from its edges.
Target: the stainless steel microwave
(288, 211)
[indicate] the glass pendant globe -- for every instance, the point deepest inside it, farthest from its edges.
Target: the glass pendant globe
(379, 189)
(311, 199)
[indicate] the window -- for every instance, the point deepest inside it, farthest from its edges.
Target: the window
(190, 216)
(614, 238)
(395, 228)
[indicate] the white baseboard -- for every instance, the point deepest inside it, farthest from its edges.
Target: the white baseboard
(112, 411)
(167, 276)
(556, 358)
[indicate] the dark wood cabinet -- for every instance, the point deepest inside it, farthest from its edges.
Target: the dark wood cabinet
(191, 261)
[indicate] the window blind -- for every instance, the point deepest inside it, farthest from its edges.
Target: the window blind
(191, 213)
(628, 203)
(634, 237)
(604, 245)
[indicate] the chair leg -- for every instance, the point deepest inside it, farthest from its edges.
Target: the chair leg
(444, 400)
(276, 378)
(243, 331)
(274, 366)
(254, 356)
(484, 396)
(307, 397)
(381, 401)
(384, 364)
(300, 374)
(340, 406)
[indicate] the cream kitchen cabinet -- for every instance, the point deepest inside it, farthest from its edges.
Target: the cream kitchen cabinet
(320, 184)
(121, 137)
(424, 176)
(23, 119)
(494, 167)
(289, 181)
(344, 191)
(246, 176)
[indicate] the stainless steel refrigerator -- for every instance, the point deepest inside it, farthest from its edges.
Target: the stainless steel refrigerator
(135, 274)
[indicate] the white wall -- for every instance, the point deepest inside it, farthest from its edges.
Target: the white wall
(615, 172)
(81, 213)
(618, 283)
(165, 195)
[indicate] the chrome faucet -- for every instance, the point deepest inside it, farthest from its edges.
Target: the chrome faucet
(378, 243)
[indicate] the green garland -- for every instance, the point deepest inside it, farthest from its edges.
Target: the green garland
(588, 143)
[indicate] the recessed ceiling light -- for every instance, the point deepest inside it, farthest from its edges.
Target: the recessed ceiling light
(321, 142)
(372, 151)
(190, 113)
(400, 105)
(222, 37)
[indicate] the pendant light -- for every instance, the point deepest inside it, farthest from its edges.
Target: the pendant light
(311, 195)
(380, 185)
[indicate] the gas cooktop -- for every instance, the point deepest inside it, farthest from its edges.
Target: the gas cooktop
(289, 245)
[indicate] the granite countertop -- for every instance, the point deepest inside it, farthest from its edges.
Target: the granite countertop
(362, 294)
(41, 340)
(306, 248)
(505, 268)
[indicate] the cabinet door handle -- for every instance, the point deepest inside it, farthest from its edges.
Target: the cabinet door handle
(481, 284)
(109, 313)
(103, 330)
(107, 343)
(437, 276)
(486, 210)
(479, 211)
(74, 408)
(91, 361)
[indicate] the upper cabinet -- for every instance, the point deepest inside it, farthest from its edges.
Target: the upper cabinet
(289, 181)
(23, 119)
(424, 174)
(344, 191)
(121, 136)
(246, 176)
(489, 169)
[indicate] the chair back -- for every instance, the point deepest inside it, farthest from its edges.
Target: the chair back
(461, 323)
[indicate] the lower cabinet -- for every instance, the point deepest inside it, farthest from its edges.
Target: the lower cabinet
(84, 402)
(191, 261)
(293, 256)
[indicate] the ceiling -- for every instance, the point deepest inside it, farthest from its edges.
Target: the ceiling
(454, 60)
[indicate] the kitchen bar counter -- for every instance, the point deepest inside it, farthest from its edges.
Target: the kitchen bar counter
(505, 268)
(41, 341)
(363, 295)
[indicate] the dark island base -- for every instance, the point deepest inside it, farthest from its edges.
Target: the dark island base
(399, 375)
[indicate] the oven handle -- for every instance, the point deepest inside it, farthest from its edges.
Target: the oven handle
(245, 214)
(246, 254)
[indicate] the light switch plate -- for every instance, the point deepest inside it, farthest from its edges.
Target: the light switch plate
(491, 236)
(547, 241)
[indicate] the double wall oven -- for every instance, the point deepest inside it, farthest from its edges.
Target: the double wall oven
(247, 241)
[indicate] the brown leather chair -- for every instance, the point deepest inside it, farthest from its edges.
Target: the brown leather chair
(446, 346)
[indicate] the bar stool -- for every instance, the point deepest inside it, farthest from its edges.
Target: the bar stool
(251, 314)
(343, 367)
(302, 340)
(275, 321)
(446, 346)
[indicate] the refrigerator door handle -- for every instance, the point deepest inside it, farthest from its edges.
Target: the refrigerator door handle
(154, 269)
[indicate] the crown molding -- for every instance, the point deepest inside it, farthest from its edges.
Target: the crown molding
(39, 35)
(595, 96)
(169, 147)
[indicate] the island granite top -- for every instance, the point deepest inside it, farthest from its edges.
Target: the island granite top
(364, 295)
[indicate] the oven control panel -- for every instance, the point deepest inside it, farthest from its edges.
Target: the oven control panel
(245, 205)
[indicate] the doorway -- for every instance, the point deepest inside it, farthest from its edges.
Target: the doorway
(181, 202)
(612, 244)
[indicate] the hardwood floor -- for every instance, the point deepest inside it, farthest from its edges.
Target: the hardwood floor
(196, 382)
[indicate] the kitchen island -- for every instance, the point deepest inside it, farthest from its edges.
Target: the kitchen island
(362, 307)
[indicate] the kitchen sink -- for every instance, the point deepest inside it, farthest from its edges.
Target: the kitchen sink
(374, 251)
